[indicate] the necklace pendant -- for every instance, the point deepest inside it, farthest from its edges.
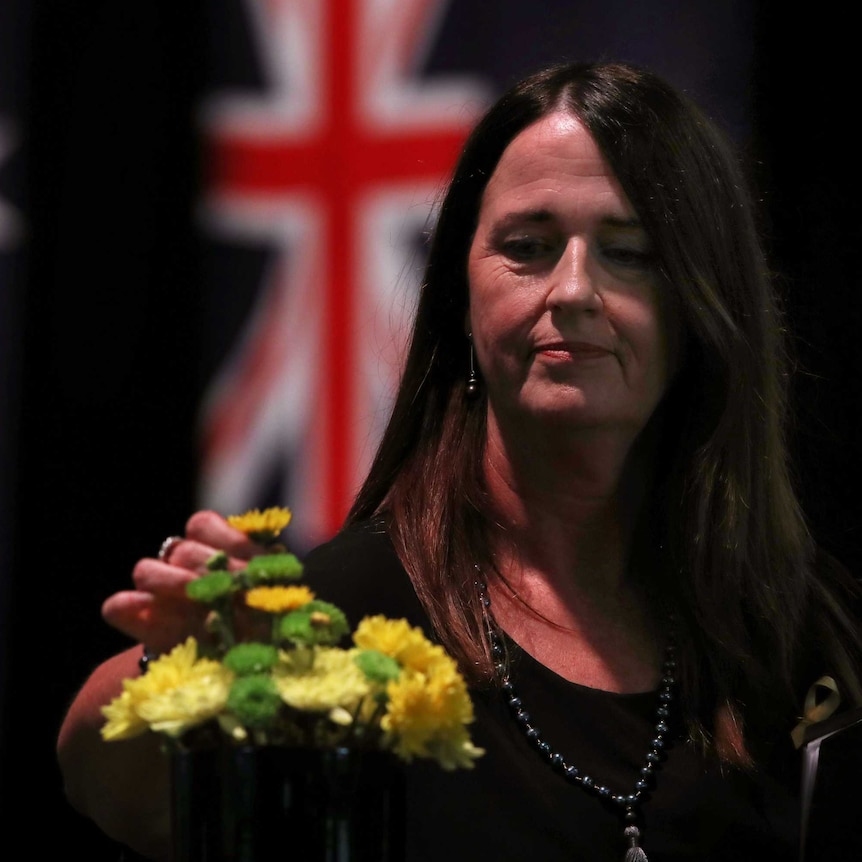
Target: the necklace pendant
(635, 853)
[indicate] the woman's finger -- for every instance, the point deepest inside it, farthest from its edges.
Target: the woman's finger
(210, 528)
(158, 622)
(130, 612)
(190, 554)
(162, 579)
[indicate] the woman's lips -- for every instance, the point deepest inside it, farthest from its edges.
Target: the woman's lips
(573, 350)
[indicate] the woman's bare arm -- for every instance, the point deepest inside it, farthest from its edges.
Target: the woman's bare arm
(123, 786)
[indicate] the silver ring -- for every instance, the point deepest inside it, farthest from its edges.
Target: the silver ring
(168, 546)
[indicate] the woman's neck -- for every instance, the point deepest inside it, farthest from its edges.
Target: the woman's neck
(566, 510)
(566, 503)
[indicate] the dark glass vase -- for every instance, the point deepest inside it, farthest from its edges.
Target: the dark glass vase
(288, 804)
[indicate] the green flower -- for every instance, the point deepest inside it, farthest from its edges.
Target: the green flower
(254, 700)
(218, 562)
(250, 658)
(376, 666)
(317, 623)
(272, 568)
(209, 588)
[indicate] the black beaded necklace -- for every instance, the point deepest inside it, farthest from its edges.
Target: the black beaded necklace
(628, 805)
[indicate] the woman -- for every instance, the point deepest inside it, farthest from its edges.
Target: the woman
(583, 491)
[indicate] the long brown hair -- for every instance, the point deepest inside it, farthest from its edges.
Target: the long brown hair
(724, 530)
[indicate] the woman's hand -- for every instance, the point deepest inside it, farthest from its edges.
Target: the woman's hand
(157, 612)
(125, 786)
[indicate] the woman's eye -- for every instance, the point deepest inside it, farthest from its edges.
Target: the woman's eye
(526, 249)
(629, 258)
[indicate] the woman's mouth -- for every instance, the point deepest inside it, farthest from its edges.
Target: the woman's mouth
(572, 350)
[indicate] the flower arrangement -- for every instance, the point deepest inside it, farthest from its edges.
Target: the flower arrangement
(287, 680)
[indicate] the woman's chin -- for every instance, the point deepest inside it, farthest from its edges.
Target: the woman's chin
(570, 408)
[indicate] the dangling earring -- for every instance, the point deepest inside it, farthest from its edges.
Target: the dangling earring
(473, 378)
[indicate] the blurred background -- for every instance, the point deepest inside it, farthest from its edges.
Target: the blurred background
(212, 224)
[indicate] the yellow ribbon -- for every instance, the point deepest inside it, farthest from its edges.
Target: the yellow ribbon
(817, 707)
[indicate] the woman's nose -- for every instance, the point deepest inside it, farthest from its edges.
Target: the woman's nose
(572, 281)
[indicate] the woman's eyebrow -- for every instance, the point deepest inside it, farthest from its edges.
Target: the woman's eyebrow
(542, 216)
(632, 223)
(517, 217)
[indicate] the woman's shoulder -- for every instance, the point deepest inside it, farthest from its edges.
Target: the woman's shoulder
(362, 544)
(359, 570)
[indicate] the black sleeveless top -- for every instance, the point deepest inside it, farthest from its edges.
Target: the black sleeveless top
(513, 806)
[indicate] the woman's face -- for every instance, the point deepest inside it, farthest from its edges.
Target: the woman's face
(565, 311)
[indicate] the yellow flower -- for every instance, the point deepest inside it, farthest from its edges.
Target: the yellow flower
(333, 680)
(262, 526)
(426, 716)
(278, 600)
(178, 692)
(123, 721)
(397, 639)
(454, 750)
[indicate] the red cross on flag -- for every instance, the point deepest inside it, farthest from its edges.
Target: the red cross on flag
(337, 165)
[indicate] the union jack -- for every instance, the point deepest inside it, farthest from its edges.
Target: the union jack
(336, 164)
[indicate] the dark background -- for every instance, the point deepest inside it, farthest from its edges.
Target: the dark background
(107, 347)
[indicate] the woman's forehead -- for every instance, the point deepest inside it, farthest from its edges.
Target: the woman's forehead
(553, 165)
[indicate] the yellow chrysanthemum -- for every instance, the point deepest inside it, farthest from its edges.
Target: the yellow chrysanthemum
(398, 639)
(178, 692)
(123, 721)
(333, 680)
(261, 526)
(426, 716)
(454, 750)
(421, 705)
(278, 600)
